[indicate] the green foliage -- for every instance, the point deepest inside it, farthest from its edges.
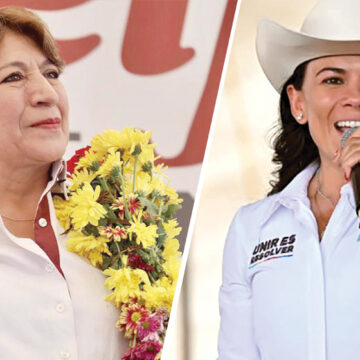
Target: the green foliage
(150, 206)
(106, 261)
(137, 150)
(95, 166)
(111, 214)
(161, 234)
(91, 230)
(169, 211)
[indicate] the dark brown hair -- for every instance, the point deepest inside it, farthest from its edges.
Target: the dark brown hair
(25, 22)
(292, 142)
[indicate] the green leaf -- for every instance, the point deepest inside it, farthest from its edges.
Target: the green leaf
(169, 213)
(106, 261)
(102, 222)
(150, 206)
(112, 247)
(117, 264)
(95, 166)
(155, 194)
(111, 214)
(144, 255)
(91, 230)
(161, 234)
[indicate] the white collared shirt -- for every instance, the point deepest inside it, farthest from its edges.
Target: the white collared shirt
(284, 295)
(46, 316)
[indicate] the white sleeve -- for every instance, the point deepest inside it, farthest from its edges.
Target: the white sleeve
(236, 335)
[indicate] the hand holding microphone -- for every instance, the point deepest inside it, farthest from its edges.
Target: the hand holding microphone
(355, 171)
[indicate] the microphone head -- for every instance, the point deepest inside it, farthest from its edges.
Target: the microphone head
(346, 135)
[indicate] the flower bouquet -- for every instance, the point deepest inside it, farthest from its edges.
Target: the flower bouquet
(119, 214)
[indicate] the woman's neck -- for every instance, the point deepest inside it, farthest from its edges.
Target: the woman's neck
(324, 192)
(329, 180)
(21, 188)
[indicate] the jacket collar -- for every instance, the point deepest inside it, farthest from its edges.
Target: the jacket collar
(296, 191)
(57, 179)
(297, 188)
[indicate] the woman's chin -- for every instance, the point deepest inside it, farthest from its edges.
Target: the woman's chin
(46, 153)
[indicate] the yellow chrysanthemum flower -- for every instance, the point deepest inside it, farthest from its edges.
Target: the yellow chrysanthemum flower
(172, 194)
(63, 210)
(164, 188)
(172, 267)
(136, 137)
(128, 170)
(124, 284)
(160, 169)
(145, 235)
(139, 141)
(90, 247)
(171, 247)
(80, 177)
(143, 184)
(171, 228)
(147, 154)
(85, 208)
(89, 158)
(112, 160)
(159, 294)
(109, 140)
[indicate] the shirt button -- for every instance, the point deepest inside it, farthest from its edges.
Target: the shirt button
(42, 222)
(60, 308)
(49, 268)
(64, 355)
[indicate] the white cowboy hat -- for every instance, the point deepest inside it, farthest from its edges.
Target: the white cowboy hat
(331, 28)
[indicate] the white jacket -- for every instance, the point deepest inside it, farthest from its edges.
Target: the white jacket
(44, 316)
(285, 296)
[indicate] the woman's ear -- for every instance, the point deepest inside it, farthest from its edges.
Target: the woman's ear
(297, 105)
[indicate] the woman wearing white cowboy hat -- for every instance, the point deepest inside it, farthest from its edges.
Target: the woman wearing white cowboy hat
(292, 261)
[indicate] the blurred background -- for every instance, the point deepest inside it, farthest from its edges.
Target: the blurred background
(237, 171)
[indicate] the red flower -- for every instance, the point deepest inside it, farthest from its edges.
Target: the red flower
(131, 316)
(71, 164)
(136, 261)
(116, 233)
(133, 204)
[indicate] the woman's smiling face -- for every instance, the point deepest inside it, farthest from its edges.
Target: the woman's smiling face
(33, 104)
(329, 100)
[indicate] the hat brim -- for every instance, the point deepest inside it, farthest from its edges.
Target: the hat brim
(280, 50)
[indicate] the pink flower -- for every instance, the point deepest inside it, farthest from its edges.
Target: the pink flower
(150, 325)
(152, 337)
(162, 315)
(143, 351)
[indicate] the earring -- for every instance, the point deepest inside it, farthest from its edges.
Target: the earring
(299, 117)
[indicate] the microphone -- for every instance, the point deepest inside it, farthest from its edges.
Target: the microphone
(355, 172)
